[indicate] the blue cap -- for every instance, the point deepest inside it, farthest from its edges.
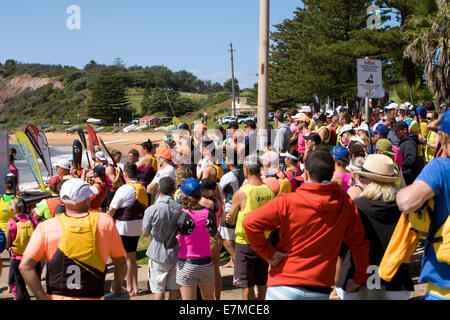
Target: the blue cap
(169, 139)
(99, 169)
(381, 129)
(340, 152)
(191, 187)
(445, 122)
(421, 111)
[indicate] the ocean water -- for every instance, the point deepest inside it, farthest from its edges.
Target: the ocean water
(26, 179)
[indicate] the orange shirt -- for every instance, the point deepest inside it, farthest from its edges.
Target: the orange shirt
(97, 199)
(45, 240)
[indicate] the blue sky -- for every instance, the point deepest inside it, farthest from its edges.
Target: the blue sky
(192, 35)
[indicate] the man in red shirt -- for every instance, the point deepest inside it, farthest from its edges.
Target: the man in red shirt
(313, 222)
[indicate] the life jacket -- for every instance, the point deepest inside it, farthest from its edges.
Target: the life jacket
(205, 226)
(114, 187)
(219, 171)
(23, 235)
(333, 135)
(147, 176)
(77, 269)
(290, 176)
(441, 239)
(401, 247)
(441, 242)
(52, 204)
(5, 211)
(405, 238)
(257, 196)
(327, 140)
(137, 209)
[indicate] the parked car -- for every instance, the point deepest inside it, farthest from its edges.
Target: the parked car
(226, 120)
(66, 122)
(241, 118)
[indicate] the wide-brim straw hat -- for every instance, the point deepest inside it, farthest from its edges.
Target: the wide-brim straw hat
(379, 167)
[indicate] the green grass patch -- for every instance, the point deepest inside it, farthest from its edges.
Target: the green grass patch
(141, 257)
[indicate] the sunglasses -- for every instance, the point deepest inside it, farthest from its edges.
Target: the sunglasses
(429, 118)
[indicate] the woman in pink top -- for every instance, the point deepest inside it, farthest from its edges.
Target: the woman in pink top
(212, 196)
(195, 265)
(303, 123)
(342, 176)
(15, 281)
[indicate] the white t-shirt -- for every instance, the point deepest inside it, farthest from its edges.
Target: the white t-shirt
(201, 166)
(229, 178)
(168, 171)
(124, 197)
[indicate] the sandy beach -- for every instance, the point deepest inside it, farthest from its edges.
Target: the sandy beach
(120, 141)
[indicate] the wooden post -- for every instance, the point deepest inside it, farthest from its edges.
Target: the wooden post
(263, 72)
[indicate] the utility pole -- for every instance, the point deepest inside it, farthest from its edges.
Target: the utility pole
(263, 72)
(233, 85)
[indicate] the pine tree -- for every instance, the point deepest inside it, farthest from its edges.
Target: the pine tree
(109, 101)
(316, 51)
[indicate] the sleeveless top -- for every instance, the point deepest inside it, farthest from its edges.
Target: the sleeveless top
(345, 177)
(146, 175)
(5, 211)
(257, 196)
(196, 245)
(77, 269)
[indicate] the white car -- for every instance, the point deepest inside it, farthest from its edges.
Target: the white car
(242, 118)
(225, 120)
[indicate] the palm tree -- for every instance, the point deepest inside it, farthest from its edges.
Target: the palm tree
(427, 33)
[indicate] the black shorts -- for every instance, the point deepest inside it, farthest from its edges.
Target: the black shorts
(109, 197)
(130, 243)
(249, 268)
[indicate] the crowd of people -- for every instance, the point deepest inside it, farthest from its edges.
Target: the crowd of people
(303, 214)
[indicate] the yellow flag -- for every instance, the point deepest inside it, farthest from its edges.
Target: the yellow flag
(27, 150)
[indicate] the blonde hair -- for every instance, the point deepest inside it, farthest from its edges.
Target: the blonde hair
(183, 173)
(16, 205)
(380, 191)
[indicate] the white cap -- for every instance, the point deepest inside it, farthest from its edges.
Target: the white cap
(345, 128)
(306, 109)
(76, 190)
(101, 156)
(405, 106)
(288, 155)
(363, 127)
(358, 139)
(298, 115)
(392, 105)
(329, 113)
(64, 164)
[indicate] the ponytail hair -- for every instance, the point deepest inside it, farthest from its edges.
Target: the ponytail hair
(147, 145)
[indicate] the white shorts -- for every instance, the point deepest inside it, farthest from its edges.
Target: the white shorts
(227, 233)
(365, 294)
(162, 276)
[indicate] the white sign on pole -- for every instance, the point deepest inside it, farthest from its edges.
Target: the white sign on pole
(4, 158)
(370, 78)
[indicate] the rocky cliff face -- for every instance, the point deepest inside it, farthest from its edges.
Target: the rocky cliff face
(23, 82)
